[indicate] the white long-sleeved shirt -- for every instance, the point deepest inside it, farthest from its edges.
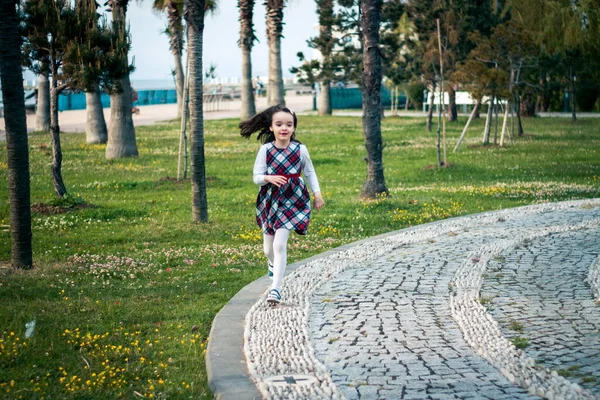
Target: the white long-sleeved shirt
(260, 168)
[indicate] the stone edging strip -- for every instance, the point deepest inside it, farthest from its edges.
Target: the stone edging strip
(593, 279)
(481, 330)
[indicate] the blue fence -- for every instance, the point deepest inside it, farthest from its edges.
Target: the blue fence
(76, 101)
(343, 98)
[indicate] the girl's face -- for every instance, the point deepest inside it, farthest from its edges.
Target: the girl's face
(282, 125)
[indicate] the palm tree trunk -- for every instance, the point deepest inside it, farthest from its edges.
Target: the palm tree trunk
(246, 42)
(179, 82)
(42, 113)
(248, 104)
(95, 125)
(372, 73)
(17, 147)
(275, 91)
(194, 12)
(275, 85)
(121, 132)
(324, 100)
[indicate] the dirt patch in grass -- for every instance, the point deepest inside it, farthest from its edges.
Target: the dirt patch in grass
(435, 166)
(47, 209)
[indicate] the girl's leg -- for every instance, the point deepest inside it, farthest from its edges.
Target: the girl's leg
(268, 246)
(279, 256)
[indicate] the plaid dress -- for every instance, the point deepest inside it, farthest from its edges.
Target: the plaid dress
(287, 206)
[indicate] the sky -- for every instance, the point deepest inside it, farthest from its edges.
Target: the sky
(153, 60)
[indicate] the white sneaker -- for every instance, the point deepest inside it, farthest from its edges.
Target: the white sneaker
(274, 297)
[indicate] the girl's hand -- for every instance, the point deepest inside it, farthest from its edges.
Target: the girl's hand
(276, 180)
(318, 203)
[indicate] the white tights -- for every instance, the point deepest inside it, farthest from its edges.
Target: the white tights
(275, 248)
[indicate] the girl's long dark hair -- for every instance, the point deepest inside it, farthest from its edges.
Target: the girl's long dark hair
(261, 123)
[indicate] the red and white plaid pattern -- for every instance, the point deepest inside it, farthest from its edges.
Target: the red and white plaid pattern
(287, 206)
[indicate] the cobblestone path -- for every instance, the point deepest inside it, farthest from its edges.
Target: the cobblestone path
(402, 317)
(539, 292)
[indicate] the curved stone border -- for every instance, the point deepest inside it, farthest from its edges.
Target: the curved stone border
(593, 279)
(276, 344)
(483, 334)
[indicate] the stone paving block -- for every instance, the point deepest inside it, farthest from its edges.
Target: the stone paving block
(377, 380)
(441, 396)
(368, 391)
(349, 393)
(414, 395)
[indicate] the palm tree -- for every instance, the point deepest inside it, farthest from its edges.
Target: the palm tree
(371, 97)
(247, 38)
(95, 126)
(194, 17)
(275, 92)
(16, 136)
(121, 132)
(174, 11)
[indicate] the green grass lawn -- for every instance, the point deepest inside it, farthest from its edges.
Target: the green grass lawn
(126, 286)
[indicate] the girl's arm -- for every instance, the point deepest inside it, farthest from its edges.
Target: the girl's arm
(309, 170)
(311, 177)
(260, 170)
(260, 167)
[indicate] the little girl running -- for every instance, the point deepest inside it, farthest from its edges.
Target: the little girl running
(283, 202)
